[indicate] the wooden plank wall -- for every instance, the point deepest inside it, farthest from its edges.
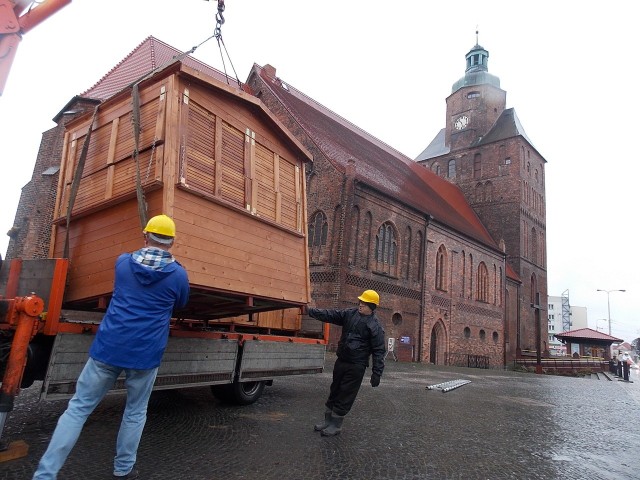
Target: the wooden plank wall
(96, 241)
(234, 165)
(231, 250)
(285, 319)
(109, 172)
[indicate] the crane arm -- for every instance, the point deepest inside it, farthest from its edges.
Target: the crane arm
(14, 22)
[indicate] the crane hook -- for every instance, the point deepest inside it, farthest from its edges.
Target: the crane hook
(219, 19)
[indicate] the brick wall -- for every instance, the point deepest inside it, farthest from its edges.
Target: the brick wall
(410, 308)
(30, 235)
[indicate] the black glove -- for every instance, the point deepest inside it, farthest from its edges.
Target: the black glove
(375, 379)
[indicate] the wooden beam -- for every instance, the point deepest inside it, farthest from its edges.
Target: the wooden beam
(17, 449)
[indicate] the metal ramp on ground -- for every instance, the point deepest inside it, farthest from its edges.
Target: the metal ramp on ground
(448, 386)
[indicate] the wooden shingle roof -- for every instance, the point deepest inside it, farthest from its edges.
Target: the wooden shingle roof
(586, 334)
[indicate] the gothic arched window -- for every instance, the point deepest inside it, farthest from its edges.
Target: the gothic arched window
(407, 247)
(488, 192)
(482, 284)
(534, 246)
(441, 268)
(477, 166)
(419, 256)
(386, 249)
(451, 173)
(318, 228)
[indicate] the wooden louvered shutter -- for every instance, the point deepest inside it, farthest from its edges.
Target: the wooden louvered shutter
(232, 181)
(290, 208)
(200, 165)
(266, 203)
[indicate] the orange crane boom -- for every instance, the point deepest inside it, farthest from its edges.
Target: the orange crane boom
(15, 22)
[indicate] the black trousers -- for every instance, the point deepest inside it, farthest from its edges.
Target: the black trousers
(347, 378)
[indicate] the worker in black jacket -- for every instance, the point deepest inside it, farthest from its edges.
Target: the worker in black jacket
(362, 336)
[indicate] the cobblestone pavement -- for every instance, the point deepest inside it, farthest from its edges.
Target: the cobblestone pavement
(501, 425)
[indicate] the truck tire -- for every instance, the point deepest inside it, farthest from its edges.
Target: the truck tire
(238, 393)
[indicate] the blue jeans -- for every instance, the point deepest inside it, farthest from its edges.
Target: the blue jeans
(94, 382)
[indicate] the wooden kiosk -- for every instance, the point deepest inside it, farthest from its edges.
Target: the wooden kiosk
(213, 158)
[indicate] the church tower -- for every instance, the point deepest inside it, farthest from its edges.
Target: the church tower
(485, 151)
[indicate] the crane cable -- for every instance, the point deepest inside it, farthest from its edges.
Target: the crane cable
(141, 200)
(218, 36)
(135, 94)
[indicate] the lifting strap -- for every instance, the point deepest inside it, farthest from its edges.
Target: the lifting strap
(76, 179)
(142, 202)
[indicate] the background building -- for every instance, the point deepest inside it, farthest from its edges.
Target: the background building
(485, 151)
(563, 317)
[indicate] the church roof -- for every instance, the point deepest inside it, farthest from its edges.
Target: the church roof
(376, 163)
(477, 71)
(586, 334)
(506, 127)
(436, 148)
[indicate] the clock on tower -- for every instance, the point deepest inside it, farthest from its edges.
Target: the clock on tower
(461, 122)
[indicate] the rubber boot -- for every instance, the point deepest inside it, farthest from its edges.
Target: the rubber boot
(335, 426)
(324, 424)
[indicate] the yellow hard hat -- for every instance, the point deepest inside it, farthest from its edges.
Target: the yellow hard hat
(162, 225)
(370, 296)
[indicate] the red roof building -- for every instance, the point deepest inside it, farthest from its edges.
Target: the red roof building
(585, 342)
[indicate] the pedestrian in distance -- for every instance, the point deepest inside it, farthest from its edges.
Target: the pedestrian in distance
(626, 364)
(149, 284)
(613, 364)
(362, 337)
(619, 370)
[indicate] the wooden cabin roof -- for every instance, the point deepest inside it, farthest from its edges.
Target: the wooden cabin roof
(586, 334)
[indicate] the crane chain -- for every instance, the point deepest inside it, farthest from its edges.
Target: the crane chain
(219, 19)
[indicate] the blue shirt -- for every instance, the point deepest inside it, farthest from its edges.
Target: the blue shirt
(134, 331)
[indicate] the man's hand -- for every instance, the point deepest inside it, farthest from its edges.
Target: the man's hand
(375, 379)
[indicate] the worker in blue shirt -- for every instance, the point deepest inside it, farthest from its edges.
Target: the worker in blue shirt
(149, 284)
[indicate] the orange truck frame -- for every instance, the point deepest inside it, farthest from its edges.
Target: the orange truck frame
(41, 341)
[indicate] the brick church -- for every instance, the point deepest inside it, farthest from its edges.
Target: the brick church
(453, 241)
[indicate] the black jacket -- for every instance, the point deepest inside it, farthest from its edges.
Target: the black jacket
(361, 336)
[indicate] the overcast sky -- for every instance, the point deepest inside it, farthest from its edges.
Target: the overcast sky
(568, 68)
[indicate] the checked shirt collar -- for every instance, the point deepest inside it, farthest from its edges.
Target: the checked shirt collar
(154, 258)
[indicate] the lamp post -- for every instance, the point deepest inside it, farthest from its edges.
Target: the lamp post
(609, 305)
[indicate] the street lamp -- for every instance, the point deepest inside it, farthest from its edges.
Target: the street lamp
(609, 305)
(600, 320)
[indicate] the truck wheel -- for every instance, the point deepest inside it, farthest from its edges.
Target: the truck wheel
(238, 393)
(246, 393)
